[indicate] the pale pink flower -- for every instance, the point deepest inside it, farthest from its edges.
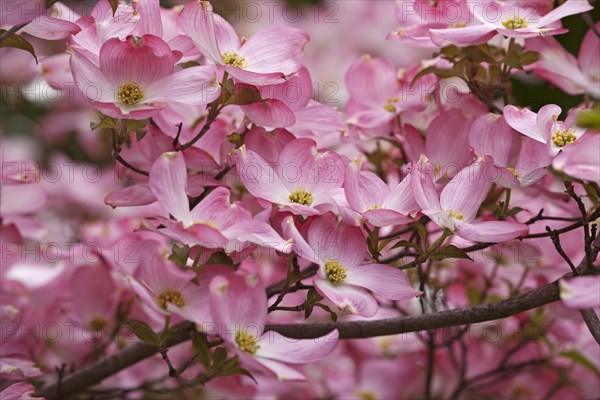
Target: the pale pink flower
(268, 57)
(378, 93)
(301, 181)
(573, 75)
(135, 76)
(343, 277)
(545, 126)
(455, 208)
(581, 159)
(215, 222)
(378, 204)
(508, 18)
(491, 136)
(581, 292)
(238, 304)
(19, 391)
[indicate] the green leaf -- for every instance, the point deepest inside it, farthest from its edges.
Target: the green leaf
(202, 349)
(405, 243)
(477, 54)
(513, 211)
(189, 64)
(450, 251)
(220, 258)
(245, 95)
(312, 297)
(578, 358)
(219, 358)
(114, 4)
(143, 331)
(180, 255)
(439, 72)
(421, 231)
(17, 42)
(529, 57)
(450, 52)
(590, 118)
(332, 313)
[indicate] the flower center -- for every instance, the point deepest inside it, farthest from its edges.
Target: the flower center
(389, 107)
(174, 297)
(97, 324)
(374, 207)
(234, 59)
(366, 395)
(301, 196)
(246, 342)
(130, 93)
(563, 137)
(334, 271)
(514, 172)
(456, 215)
(514, 23)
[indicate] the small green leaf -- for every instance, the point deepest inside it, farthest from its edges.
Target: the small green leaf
(421, 231)
(220, 258)
(114, 4)
(17, 42)
(578, 358)
(143, 331)
(529, 57)
(405, 243)
(312, 297)
(450, 251)
(513, 211)
(180, 255)
(245, 95)
(219, 358)
(202, 349)
(439, 72)
(590, 118)
(477, 54)
(450, 52)
(332, 313)
(189, 64)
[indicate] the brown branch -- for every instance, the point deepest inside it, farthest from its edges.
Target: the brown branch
(95, 373)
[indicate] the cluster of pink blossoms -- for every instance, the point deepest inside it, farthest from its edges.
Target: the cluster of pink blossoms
(240, 205)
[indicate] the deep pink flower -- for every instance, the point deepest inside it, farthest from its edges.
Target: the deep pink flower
(268, 57)
(581, 292)
(135, 76)
(545, 126)
(302, 180)
(455, 208)
(215, 222)
(510, 19)
(581, 159)
(343, 278)
(491, 136)
(379, 205)
(238, 304)
(573, 75)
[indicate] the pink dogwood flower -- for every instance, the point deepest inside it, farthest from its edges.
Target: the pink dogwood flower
(508, 18)
(572, 75)
(268, 57)
(343, 277)
(581, 159)
(302, 180)
(165, 288)
(455, 208)
(379, 205)
(377, 94)
(545, 126)
(215, 222)
(135, 76)
(491, 136)
(581, 292)
(238, 304)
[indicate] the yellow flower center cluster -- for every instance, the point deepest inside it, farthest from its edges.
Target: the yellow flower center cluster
(173, 297)
(130, 93)
(456, 215)
(234, 59)
(301, 196)
(515, 23)
(366, 395)
(334, 271)
(246, 342)
(97, 324)
(514, 172)
(563, 137)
